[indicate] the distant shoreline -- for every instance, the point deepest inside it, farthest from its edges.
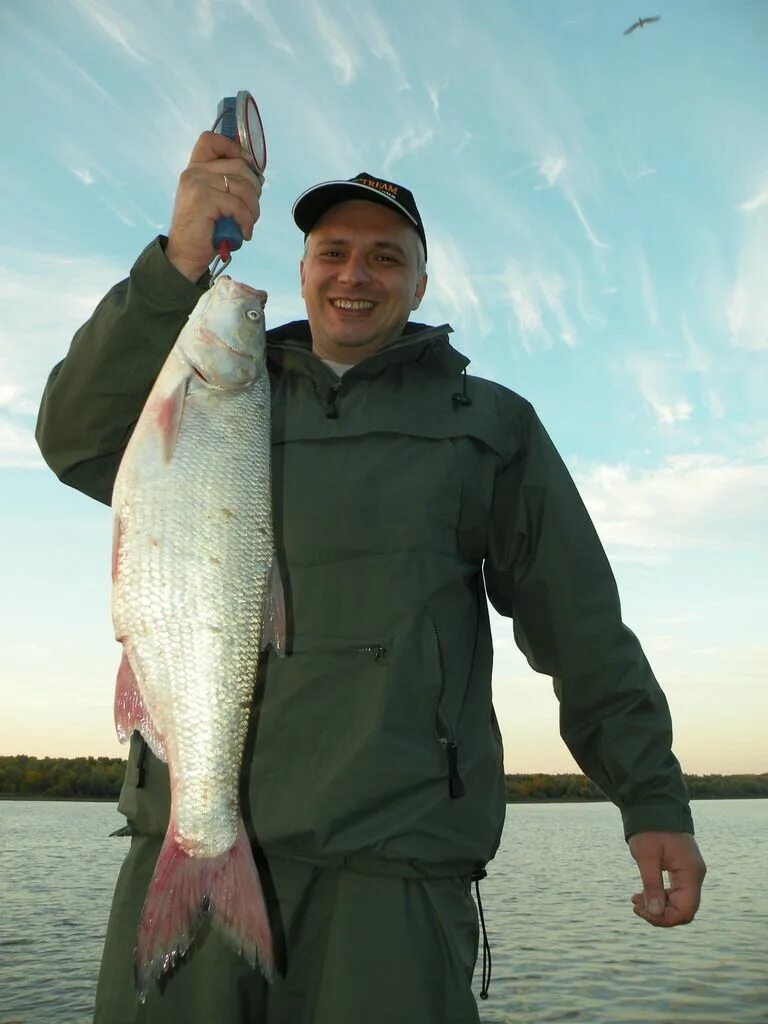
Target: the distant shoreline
(527, 801)
(23, 777)
(59, 799)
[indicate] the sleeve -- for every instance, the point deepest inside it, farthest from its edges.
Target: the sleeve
(547, 569)
(94, 396)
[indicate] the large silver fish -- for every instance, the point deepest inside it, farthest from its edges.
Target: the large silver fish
(196, 595)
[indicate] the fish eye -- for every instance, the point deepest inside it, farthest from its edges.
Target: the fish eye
(253, 314)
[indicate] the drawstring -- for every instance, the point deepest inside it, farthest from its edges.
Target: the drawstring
(462, 398)
(478, 875)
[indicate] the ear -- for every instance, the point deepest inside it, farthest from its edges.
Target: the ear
(301, 276)
(418, 295)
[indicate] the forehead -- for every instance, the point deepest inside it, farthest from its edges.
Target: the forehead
(358, 219)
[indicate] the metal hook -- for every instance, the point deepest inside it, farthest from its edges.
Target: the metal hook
(220, 263)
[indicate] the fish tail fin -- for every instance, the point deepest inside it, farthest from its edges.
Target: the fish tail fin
(184, 890)
(238, 909)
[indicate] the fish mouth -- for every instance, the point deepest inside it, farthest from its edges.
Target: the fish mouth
(214, 339)
(230, 386)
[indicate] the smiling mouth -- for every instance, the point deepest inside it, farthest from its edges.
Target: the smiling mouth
(353, 305)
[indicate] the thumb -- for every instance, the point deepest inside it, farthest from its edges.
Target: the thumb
(653, 894)
(648, 859)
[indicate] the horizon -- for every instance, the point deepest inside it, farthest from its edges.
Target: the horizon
(596, 211)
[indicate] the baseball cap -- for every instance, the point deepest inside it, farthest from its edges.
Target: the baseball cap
(313, 203)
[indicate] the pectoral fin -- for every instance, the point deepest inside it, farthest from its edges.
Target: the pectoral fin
(169, 413)
(274, 612)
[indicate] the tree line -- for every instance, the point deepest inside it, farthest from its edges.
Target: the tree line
(526, 788)
(84, 778)
(99, 778)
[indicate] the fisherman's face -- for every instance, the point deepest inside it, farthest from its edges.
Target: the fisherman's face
(360, 279)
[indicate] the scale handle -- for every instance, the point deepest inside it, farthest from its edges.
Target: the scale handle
(227, 230)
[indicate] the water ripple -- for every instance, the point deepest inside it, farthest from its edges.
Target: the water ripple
(566, 946)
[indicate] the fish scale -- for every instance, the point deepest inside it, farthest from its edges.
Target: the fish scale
(195, 631)
(194, 588)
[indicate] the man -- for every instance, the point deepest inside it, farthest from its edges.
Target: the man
(404, 491)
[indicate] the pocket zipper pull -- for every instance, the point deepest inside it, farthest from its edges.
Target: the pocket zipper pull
(455, 785)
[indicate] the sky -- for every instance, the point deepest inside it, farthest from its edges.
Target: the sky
(596, 209)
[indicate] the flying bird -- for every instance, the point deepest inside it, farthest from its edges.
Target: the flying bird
(641, 23)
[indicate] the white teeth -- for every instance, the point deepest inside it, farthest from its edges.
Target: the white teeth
(352, 304)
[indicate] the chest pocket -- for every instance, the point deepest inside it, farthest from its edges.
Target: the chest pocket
(399, 467)
(346, 497)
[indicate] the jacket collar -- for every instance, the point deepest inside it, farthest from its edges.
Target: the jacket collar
(290, 345)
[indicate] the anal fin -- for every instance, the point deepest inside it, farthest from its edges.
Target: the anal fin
(131, 712)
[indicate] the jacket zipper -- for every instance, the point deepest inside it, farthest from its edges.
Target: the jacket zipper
(444, 734)
(331, 412)
(373, 651)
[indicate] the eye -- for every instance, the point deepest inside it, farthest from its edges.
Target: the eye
(253, 314)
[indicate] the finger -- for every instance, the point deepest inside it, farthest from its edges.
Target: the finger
(212, 145)
(234, 167)
(190, 236)
(243, 188)
(670, 918)
(648, 851)
(685, 898)
(679, 908)
(231, 177)
(653, 885)
(660, 919)
(236, 199)
(231, 206)
(209, 195)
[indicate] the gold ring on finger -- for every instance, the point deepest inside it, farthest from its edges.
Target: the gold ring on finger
(226, 183)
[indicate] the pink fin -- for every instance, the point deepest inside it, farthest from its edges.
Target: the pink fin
(131, 711)
(169, 413)
(274, 613)
(183, 890)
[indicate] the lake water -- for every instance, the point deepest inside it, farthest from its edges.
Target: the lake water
(566, 946)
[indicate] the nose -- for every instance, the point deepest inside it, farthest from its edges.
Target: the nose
(354, 270)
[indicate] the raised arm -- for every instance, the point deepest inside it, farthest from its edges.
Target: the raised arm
(94, 396)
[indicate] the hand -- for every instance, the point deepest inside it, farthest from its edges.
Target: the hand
(202, 198)
(678, 855)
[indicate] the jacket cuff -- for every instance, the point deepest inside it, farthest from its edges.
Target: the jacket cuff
(656, 818)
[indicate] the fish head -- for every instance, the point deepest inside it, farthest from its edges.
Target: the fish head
(224, 340)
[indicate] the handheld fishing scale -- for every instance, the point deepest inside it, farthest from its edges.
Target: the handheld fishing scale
(238, 118)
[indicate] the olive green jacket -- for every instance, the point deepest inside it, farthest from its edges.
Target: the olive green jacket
(403, 494)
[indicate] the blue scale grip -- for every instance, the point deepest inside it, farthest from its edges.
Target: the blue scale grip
(227, 229)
